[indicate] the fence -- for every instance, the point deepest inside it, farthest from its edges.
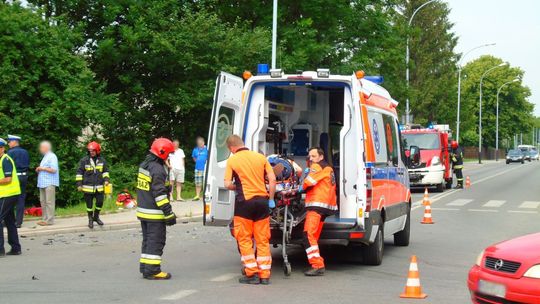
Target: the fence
(487, 152)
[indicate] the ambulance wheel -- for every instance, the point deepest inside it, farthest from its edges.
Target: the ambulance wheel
(402, 237)
(287, 269)
(373, 253)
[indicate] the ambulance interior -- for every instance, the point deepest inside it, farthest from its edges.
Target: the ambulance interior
(296, 118)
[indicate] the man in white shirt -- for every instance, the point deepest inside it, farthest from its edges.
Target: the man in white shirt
(178, 169)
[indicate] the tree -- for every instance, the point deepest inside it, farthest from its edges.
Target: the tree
(47, 91)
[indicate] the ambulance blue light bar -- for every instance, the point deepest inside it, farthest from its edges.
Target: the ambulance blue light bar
(375, 79)
(263, 69)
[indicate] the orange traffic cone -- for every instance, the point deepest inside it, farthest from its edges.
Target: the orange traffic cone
(427, 215)
(426, 201)
(467, 182)
(413, 289)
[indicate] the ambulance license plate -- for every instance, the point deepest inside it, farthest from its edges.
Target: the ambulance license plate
(491, 289)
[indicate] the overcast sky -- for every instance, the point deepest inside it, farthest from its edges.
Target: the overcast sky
(513, 25)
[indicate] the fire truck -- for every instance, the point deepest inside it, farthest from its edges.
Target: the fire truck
(432, 165)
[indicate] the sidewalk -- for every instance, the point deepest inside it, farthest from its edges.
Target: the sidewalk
(185, 211)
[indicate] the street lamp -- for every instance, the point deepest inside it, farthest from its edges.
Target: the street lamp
(274, 33)
(460, 67)
(407, 109)
(497, 119)
(480, 110)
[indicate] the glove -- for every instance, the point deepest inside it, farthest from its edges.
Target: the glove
(271, 204)
(306, 171)
(172, 220)
(300, 189)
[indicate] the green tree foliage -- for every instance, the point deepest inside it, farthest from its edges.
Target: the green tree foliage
(515, 112)
(46, 90)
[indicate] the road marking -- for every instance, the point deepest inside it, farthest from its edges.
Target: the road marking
(523, 211)
(178, 295)
(483, 210)
(445, 209)
(529, 205)
(493, 203)
(224, 277)
(459, 202)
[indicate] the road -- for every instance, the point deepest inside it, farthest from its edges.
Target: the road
(102, 267)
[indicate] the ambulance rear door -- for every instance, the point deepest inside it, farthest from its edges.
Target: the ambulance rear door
(226, 120)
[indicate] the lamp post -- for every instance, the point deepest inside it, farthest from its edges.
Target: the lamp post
(460, 67)
(407, 107)
(274, 33)
(497, 118)
(480, 110)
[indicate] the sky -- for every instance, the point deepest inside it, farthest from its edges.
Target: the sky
(513, 25)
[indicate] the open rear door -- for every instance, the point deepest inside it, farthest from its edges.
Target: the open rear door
(226, 120)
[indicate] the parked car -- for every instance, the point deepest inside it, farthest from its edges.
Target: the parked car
(534, 154)
(507, 272)
(515, 156)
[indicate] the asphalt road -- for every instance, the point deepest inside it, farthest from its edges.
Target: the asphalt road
(102, 267)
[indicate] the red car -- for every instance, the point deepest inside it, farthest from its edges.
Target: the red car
(507, 272)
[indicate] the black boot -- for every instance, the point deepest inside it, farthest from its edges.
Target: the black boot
(90, 220)
(96, 218)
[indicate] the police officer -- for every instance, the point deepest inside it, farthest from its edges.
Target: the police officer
(22, 163)
(9, 193)
(457, 163)
(92, 176)
(320, 187)
(154, 209)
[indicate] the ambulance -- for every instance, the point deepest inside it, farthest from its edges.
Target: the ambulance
(352, 118)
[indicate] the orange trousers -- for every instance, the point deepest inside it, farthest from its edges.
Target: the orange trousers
(312, 231)
(245, 231)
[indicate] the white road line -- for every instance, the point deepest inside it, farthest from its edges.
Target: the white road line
(459, 202)
(529, 205)
(178, 295)
(493, 203)
(523, 211)
(445, 209)
(224, 277)
(483, 210)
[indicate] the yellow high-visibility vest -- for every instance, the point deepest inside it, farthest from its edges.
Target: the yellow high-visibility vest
(12, 188)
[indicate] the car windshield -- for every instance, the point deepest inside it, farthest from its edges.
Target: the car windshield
(514, 153)
(425, 141)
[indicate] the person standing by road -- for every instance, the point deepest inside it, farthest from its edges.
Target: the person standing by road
(22, 163)
(154, 209)
(199, 155)
(457, 163)
(245, 174)
(48, 179)
(9, 193)
(320, 187)
(178, 170)
(92, 178)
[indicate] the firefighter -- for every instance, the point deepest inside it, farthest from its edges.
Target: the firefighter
(154, 208)
(457, 163)
(92, 177)
(245, 174)
(320, 187)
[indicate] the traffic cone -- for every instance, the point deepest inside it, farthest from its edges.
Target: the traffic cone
(427, 215)
(426, 201)
(413, 289)
(467, 182)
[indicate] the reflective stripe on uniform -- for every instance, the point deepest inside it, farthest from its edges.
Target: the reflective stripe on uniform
(150, 256)
(265, 267)
(78, 177)
(150, 262)
(321, 205)
(311, 180)
(89, 210)
(247, 257)
(458, 167)
(149, 211)
(264, 259)
(150, 214)
(314, 255)
(251, 265)
(312, 248)
(161, 200)
(105, 175)
(89, 189)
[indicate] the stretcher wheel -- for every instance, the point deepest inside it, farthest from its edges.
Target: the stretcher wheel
(287, 269)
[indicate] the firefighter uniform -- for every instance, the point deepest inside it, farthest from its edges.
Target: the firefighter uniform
(155, 212)
(320, 188)
(251, 213)
(457, 164)
(91, 176)
(9, 194)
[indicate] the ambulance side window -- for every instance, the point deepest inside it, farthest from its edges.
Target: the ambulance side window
(225, 125)
(378, 134)
(392, 144)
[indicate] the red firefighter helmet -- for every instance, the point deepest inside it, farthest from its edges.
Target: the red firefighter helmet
(94, 146)
(162, 147)
(454, 144)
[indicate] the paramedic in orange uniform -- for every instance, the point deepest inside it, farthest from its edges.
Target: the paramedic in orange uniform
(320, 187)
(246, 174)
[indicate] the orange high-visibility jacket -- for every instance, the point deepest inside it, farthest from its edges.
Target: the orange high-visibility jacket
(320, 187)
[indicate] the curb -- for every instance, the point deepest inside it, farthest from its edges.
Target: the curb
(106, 227)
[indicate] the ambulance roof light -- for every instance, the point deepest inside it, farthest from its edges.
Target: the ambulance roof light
(375, 79)
(276, 73)
(323, 73)
(359, 74)
(262, 69)
(246, 75)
